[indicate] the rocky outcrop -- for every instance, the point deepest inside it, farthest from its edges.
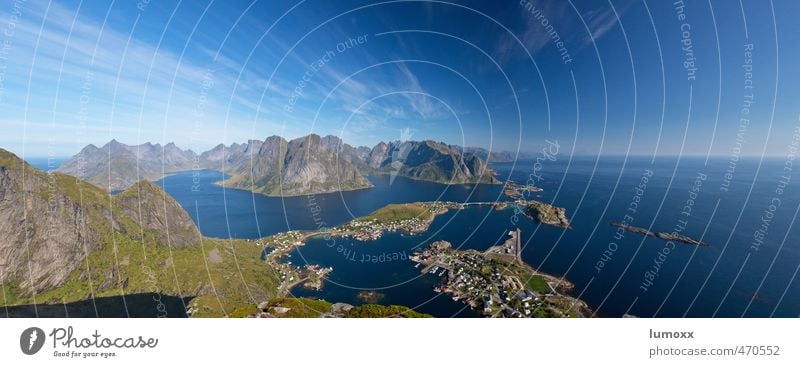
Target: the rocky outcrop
(311, 166)
(158, 214)
(254, 166)
(378, 155)
(547, 214)
(356, 156)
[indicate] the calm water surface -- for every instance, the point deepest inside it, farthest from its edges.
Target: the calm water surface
(631, 274)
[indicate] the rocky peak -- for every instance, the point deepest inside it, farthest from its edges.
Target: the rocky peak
(377, 155)
(253, 146)
(333, 143)
(147, 204)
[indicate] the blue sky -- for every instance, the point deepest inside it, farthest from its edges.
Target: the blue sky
(474, 73)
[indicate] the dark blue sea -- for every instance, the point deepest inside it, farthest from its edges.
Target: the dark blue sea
(747, 217)
(46, 163)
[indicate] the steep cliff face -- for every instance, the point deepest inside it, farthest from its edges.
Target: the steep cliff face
(356, 156)
(430, 161)
(45, 230)
(254, 166)
(378, 155)
(310, 166)
(49, 223)
(65, 240)
(158, 215)
(306, 165)
(117, 166)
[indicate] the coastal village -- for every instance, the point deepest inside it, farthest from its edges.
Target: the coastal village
(276, 247)
(495, 281)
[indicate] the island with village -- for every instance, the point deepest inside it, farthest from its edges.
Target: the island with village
(495, 281)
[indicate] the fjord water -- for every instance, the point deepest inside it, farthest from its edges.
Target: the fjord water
(629, 275)
(45, 163)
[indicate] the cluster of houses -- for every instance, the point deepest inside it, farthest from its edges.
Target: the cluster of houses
(280, 245)
(285, 241)
(287, 276)
(372, 229)
(440, 207)
(479, 282)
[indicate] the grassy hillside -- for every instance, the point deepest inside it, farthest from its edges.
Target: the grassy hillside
(84, 243)
(396, 212)
(223, 276)
(310, 308)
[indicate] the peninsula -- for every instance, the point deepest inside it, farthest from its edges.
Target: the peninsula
(498, 282)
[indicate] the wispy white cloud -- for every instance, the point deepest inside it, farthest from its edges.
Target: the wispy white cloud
(129, 87)
(105, 81)
(417, 96)
(548, 22)
(602, 20)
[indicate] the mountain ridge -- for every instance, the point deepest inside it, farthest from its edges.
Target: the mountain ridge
(311, 164)
(430, 161)
(116, 166)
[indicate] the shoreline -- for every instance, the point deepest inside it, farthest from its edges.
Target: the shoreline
(498, 283)
(371, 228)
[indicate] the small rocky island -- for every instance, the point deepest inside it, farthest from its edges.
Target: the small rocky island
(518, 191)
(666, 236)
(370, 296)
(547, 214)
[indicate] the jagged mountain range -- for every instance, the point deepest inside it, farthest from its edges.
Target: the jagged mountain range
(117, 166)
(277, 167)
